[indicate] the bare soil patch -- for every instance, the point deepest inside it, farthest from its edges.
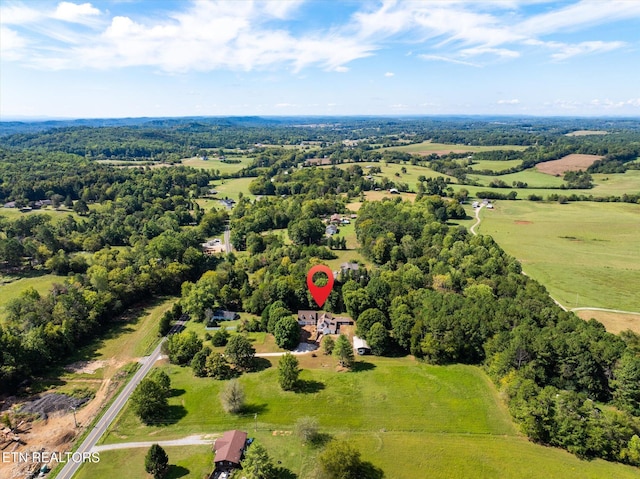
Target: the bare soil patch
(614, 322)
(574, 162)
(523, 222)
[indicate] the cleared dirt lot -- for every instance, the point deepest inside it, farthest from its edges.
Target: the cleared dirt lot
(573, 162)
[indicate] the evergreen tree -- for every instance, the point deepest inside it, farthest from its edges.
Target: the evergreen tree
(156, 462)
(288, 371)
(344, 352)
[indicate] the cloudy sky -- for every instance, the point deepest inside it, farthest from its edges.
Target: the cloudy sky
(289, 57)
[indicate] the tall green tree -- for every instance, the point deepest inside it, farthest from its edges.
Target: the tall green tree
(156, 462)
(240, 352)
(288, 371)
(287, 333)
(149, 401)
(343, 351)
(257, 464)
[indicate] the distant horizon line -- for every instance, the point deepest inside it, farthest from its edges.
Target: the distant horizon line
(45, 118)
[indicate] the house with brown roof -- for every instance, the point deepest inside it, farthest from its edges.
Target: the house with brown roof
(229, 450)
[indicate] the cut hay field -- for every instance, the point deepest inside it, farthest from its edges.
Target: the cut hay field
(428, 147)
(222, 167)
(587, 133)
(532, 177)
(614, 322)
(585, 253)
(437, 421)
(573, 162)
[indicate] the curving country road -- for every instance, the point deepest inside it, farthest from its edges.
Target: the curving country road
(70, 468)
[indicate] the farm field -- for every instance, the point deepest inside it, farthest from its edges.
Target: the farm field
(531, 176)
(222, 167)
(614, 322)
(11, 287)
(572, 162)
(610, 184)
(428, 147)
(452, 413)
(495, 165)
(585, 253)
(231, 187)
(56, 215)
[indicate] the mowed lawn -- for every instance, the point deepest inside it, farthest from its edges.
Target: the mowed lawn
(191, 461)
(585, 253)
(410, 419)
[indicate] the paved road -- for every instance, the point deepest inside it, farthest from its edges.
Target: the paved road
(197, 440)
(70, 468)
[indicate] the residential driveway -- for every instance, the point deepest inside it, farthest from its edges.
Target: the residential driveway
(197, 440)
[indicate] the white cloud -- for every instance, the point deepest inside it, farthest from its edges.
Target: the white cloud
(11, 43)
(448, 60)
(71, 12)
(206, 35)
(566, 51)
(515, 101)
(389, 74)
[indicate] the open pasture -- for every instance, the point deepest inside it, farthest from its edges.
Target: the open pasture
(531, 176)
(495, 165)
(585, 253)
(586, 132)
(573, 162)
(428, 147)
(437, 421)
(390, 170)
(214, 164)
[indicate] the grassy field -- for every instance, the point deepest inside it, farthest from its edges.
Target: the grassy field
(191, 461)
(56, 215)
(390, 170)
(437, 421)
(585, 253)
(495, 165)
(11, 287)
(429, 147)
(533, 177)
(221, 166)
(231, 188)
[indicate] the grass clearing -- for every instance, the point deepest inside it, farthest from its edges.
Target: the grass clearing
(585, 253)
(436, 421)
(428, 147)
(531, 176)
(56, 215)
(614, 322)
(231, 188)
(223, 167)
(184, 461)
(495, 165)
(11, 287)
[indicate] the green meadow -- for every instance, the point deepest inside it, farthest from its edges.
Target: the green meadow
(495, 165)
(429, 147)
(223, 167)
(11, 287)
(585, 253)
(408, 418)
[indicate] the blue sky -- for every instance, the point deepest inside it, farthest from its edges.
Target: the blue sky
(133, 58)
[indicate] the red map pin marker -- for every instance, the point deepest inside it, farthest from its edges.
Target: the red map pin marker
(320, 293)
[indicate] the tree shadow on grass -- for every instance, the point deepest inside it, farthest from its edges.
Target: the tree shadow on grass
(260, 364)
(283, 473)
(251, 409)
(360, 366)
(173, 415)
(320, 439)
(308, 386)
(174, 392)
(175, 472)
(369, 471)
